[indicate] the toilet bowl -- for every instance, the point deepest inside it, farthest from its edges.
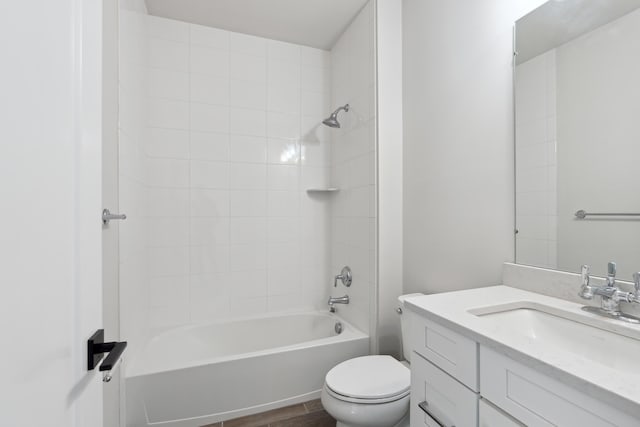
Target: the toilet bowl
(371, 391)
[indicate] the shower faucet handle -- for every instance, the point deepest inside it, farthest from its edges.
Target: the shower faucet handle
(345, 277)
(611, 273)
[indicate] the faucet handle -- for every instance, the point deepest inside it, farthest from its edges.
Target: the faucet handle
(611, 269)
(584, 272)
(636, 282)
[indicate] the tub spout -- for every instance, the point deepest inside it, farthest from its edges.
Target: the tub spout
(338, 300)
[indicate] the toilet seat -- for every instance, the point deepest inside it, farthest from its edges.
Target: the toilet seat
(369, 379)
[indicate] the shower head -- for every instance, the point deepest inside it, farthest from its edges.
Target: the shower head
(332, 120)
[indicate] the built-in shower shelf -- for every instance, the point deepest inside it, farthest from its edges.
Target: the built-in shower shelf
(323, 190)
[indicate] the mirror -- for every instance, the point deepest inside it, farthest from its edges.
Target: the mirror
(577, 96)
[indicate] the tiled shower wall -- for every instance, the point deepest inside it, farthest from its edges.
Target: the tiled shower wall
(536, 162)
(353, 215)
(231, 143)
(133, 277)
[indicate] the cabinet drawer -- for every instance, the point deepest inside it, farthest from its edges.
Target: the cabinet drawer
(539, 400)
(447, 402)
(450, 351)
(490, 416)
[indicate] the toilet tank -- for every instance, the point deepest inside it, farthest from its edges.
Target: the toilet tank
(405, 325)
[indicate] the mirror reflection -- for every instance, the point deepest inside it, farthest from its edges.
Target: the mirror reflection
(578, 136)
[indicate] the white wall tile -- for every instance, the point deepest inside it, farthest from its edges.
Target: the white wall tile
(315, 103)
(244, 121)
(284, 281)
(283, 125)
(168, 231)
(209, 90)
(250, 306)
(169, 291)
(313, 79)
(283, 177)
(247, 203)
(283, 230)
(209, 202)
(168, 173)
(248, 257)
(248, 67)
(283, 51)
(283, 74)
(281, 255)
(211, 160)
(209, 146)
(169, 261)
(167, 143)
(209, 231)
(168, 29)
(248, 283)
(283, 204)
(168, 84)
(247, 176)
(209, 37)
(168, 54)
(283, 99)
(248, 149)
(209, 118)
(209, 174)
(165, 113)
(209, 259)
(283, 151)
(247, 44)
(163, 202)
(214, 62)
(317, 58)
(244, 231)
(246, 94)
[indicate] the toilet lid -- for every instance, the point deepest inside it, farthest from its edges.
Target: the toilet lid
(369, 377)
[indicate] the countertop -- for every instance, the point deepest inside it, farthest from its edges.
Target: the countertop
(617, 388)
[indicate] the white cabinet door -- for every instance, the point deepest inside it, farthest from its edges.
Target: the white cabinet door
(438, 399)
(539, 400)
(490, 416)
(450, 351)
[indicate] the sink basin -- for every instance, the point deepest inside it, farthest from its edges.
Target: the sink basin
(582, 336)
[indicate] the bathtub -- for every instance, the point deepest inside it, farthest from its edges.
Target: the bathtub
(196, 375)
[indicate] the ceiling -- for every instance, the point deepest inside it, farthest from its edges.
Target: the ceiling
(560, 21)
(315, 23)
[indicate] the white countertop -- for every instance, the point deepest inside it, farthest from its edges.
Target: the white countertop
(617, 388)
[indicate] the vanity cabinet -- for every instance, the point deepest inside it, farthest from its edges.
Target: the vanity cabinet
(490, 416)
(457, 382)
(438, 399)
(540, 400)
(455, 354)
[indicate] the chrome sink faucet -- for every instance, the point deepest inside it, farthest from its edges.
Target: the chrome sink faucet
(611, 296)
(337, 300)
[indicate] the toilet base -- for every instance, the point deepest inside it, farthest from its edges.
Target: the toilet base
(403, 423)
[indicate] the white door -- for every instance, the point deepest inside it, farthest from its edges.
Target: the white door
(50, 205)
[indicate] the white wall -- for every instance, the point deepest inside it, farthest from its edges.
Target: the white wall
(458, 141)
(536, 159)
(389, 160)
(598, 148)
(353, 167)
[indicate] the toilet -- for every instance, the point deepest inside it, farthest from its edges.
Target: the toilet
(371, 391)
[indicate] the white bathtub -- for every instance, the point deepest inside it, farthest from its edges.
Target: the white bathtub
(196, 375)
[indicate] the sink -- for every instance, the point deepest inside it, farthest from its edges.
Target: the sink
(582, 336)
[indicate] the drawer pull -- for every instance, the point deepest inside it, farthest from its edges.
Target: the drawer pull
(423, 406)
